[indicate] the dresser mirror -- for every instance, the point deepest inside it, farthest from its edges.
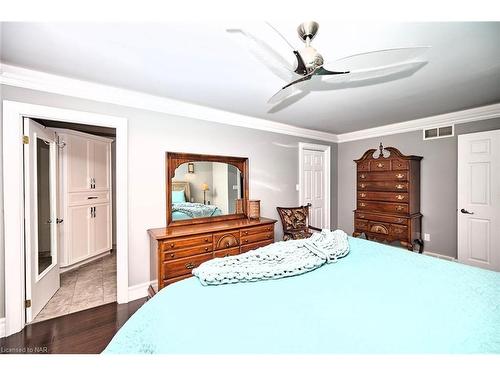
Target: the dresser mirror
(205, 188)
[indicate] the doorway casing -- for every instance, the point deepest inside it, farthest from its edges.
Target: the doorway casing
(13, 195)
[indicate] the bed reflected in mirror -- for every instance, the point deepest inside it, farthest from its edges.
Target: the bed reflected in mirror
(202, 189)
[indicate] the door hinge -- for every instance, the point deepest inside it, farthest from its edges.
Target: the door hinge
(27, 303)
(26, 139)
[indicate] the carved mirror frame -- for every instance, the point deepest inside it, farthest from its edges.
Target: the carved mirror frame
(175, 159)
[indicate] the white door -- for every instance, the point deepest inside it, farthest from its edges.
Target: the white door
(79, 232)
(479, 199)
(101, 153)
(313, 186)
(41, 223)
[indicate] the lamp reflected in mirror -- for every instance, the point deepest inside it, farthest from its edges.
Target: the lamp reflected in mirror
(205, 188)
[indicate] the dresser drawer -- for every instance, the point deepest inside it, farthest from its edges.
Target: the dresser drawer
(174, 268)
(380, 165)
(382, 196)
(383, 186)
(255, 230)
(187, 252)
(364, 166)
(227, 252)
(399, 208)
(255, 245)
(182, 242)
(398, 165)
(225, 240)
(383, 176)
(383, 218)
(257, 237)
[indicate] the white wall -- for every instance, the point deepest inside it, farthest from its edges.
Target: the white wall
(219, 186)
(273, 162)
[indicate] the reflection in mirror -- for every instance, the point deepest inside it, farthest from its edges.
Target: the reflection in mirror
(205, 189)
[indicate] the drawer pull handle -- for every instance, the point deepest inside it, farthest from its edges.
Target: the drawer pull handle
(380, 165)
(362, 204)
(268, 236)
(400, 220)
(172, 245)
(190, 266)
(399, 186)
(362, 176)
(172, 255)
(362, 186)
(206, 239)
(399, 208)
(246, 241)
(92, 197)
(363, 195)
(400, 197)
(245, 233)
(361, 216)
(400, 175)
(206, 249)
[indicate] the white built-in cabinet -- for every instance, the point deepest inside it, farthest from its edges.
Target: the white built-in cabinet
(85, 196)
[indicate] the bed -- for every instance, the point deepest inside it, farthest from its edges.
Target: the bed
(378, 299)
(187, 210)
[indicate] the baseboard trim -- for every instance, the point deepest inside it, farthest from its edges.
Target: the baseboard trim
(440, 256)
(2, 327)
(139, 290)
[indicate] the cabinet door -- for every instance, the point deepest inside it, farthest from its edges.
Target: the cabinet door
(79, 233)
(101, 228)
(101, 165)
(78, 156)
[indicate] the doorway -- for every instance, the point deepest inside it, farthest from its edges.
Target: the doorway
(70, 236)
(314, 182)
(479, 199)
(13, 117)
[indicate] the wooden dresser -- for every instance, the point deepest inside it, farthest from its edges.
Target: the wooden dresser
(388, 197)
(175, 251)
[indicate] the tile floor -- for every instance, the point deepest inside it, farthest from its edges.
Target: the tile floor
(90, 285)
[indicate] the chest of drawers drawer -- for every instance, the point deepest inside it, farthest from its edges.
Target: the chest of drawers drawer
(383, 186)
(225, 240)
(263, 236)
(187, 252)
(383, 176)
(183, 242)
(175, 268)
(226, 253)
(255, 245)
(256, 230)
(399, 208)
(380, 165)
(398, 165)
(383, 196)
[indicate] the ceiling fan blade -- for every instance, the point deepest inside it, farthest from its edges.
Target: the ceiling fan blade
(266, 54)
(376, 73)
(324, 72)
(281, 35)
(283, 94)
(368, 60)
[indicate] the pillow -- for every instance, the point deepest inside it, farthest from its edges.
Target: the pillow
(178, 196)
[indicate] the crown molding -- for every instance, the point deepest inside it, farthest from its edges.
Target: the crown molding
(31, 79)
(452, 118)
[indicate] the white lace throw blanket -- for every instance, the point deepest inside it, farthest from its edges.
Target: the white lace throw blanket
(275, 261)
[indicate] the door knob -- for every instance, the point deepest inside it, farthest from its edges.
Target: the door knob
(59, 221)
(464, 211)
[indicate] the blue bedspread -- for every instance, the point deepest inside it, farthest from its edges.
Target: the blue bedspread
(379, 299)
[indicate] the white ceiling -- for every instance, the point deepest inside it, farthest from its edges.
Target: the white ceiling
(203, 64)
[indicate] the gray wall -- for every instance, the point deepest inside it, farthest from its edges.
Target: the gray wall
(438, 181)
(273, 160)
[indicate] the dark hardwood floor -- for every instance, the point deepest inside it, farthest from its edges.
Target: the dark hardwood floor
(83, 332)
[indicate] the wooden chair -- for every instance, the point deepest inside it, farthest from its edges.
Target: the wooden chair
(295, 221)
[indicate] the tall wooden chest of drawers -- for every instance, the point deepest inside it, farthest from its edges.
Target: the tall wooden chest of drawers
(175, 251)
(388, 197)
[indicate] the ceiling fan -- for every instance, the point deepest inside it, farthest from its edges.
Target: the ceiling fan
(309, 62)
